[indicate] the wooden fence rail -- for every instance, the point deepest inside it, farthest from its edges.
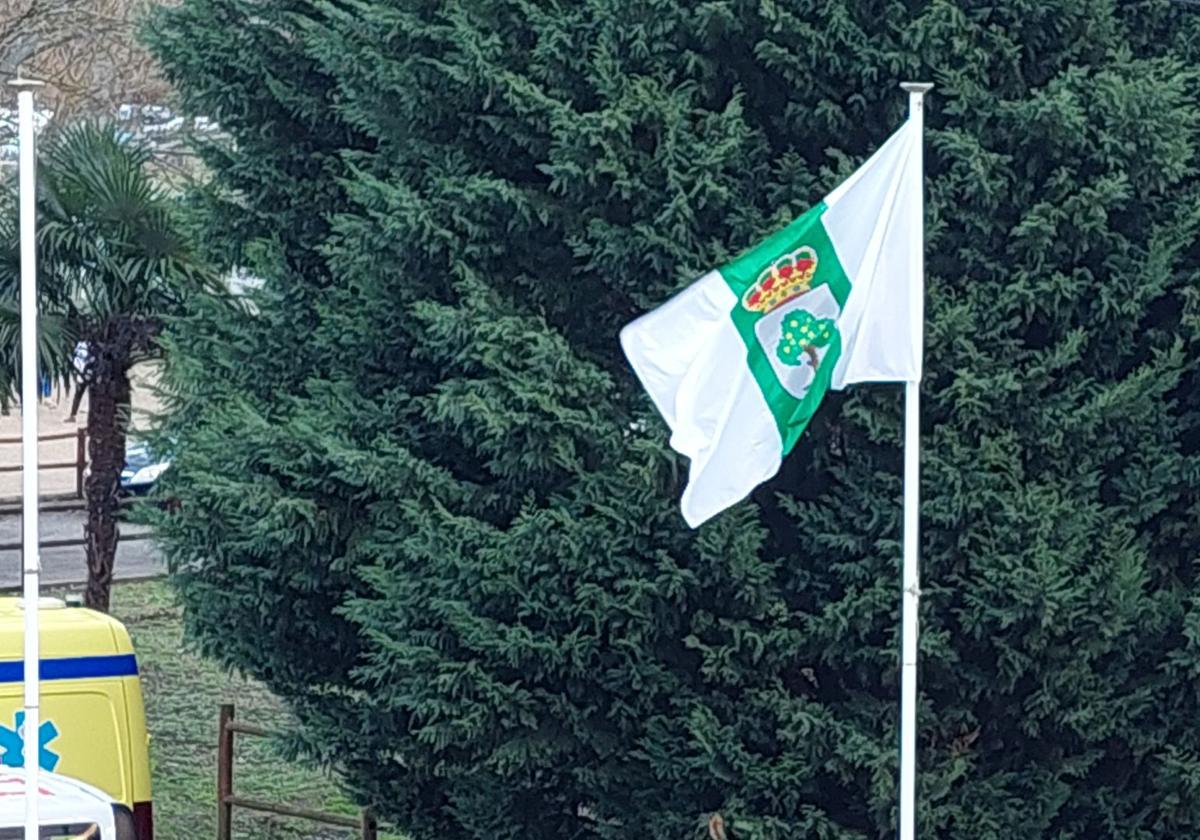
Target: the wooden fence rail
(79, 464)
(227, 800)
(67, 543)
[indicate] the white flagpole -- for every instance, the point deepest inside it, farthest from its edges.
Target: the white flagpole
(912, 506)
(29, 437)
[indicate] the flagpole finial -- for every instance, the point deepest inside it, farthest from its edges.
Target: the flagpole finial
(917, 87)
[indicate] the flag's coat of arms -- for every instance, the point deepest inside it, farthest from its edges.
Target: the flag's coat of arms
(785, 278)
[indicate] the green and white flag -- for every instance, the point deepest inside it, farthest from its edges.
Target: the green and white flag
(738, 362)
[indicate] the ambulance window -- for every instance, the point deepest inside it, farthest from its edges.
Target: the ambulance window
(90, 831)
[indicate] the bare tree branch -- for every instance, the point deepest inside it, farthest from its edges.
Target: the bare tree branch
(85, 50)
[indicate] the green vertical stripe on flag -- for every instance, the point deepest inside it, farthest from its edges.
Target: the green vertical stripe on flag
(794, 397)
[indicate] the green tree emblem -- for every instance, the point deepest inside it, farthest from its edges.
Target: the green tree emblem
(803, 333)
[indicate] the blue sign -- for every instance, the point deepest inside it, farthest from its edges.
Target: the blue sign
(12, 741)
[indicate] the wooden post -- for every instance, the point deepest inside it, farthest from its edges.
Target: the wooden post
(225, 773)
(370, 826)
(80, 460)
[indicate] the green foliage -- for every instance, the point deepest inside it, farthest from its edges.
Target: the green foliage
(112, 263)
(424, 499)
(110, 248)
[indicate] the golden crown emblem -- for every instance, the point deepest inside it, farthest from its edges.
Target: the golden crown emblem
(789, 276)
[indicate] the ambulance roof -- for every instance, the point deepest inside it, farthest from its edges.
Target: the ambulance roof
(65, 631)
(63, 800)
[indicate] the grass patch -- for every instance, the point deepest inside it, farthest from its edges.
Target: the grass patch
(183, 692)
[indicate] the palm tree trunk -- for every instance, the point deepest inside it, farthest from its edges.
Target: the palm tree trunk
(107, 422)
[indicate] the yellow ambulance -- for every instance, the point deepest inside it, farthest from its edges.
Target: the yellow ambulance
(93, 721)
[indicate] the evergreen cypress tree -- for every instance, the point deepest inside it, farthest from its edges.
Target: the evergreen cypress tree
(423, 498)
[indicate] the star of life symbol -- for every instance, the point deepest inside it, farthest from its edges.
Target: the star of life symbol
(12, 742)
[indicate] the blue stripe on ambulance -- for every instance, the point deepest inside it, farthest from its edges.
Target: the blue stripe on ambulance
(74, 668)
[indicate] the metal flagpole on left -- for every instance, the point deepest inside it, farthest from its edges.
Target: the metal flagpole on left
(29, 437)
(912, 507)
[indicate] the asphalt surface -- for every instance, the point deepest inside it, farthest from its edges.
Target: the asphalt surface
(67, 566)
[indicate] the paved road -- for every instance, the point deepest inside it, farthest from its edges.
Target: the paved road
(65, 566)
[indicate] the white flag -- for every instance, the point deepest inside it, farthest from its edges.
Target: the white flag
(738, 362)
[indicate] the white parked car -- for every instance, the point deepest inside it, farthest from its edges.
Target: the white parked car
(68, 809)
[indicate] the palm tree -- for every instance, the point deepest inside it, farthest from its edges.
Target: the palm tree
(113, 264)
